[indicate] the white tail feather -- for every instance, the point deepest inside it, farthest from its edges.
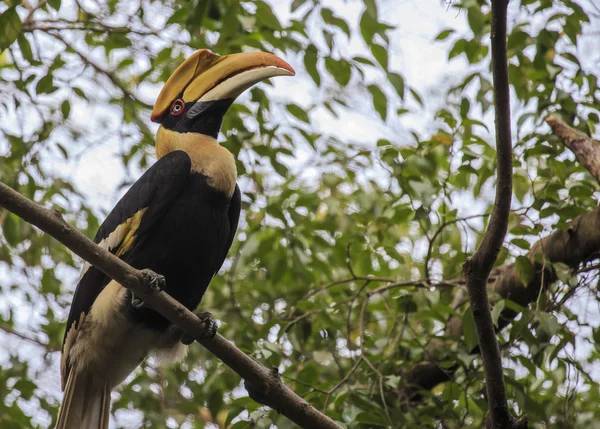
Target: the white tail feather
(84, 406)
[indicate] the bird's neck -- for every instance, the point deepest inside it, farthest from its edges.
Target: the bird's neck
(208, 157)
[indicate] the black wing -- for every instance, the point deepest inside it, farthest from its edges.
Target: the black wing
(137, 211)
(234, 217)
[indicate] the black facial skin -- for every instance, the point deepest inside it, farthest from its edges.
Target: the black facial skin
(204, 117)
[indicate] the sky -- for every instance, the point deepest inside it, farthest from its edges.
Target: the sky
(422, 62)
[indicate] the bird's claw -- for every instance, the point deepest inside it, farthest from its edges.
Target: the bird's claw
(210, 328)
(136, 302)
(156, 282)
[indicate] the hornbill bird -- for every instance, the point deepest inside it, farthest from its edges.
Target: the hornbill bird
(178, 220)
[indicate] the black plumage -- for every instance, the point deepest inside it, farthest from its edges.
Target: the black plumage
(178, 220)
(184, 234)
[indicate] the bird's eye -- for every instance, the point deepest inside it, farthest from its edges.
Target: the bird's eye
(177, 107)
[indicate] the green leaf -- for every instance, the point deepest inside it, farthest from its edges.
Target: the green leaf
(469, 333)
(381, 55)
(310, 62)
(525, 269)
(80, 93)
(26, 387)
(350, 413)
(416, 96)
(521, 243)
(45, 85)
(363, 60)
(397, 82)
(371, 419)
(379, 101)
(444, 34)
(25, 49)
(265, 16)
(548, 322)
(368, 27)
(476, 20)
(54, 4)
(497, 310)
(65, 108)
(405, 303)
(298, 112)
(330, 18)
(371, 8)
(10, 228)
(339, 69)
(50, 284)
(10, 27)
(459, 47)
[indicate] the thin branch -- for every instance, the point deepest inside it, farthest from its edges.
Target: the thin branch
(109, 74)
(477, 268)
(96, 27)
(341, 382)
(441, 228)
(32, 9)
(363, 357)
(263, 386)
(10, 330)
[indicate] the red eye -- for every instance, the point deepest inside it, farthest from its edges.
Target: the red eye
(177, 107)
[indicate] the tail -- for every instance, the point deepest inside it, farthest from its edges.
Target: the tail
(84, 405)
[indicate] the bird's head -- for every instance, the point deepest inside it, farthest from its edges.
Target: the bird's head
(197, 95)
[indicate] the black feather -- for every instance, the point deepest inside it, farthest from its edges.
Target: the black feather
(184, 234)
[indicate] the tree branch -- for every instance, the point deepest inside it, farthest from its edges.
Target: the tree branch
(477, 268)
(573, 246)
(109, 74)
(263, 385)
(584, 147)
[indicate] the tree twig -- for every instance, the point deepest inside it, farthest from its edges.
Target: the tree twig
(109, 74)
(10, 330)
(477, 268)
(263, 385)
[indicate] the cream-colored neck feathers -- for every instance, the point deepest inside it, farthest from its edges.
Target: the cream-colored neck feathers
(208, 157)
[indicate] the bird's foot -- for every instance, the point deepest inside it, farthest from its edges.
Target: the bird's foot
(136, 302)
(210, 328)
(156, 282)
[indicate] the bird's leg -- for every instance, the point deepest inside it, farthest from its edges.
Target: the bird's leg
(156, 282)
(210, 329)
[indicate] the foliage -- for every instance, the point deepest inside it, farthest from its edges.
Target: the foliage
(335, 276)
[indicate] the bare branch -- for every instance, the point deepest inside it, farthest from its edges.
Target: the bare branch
(109, 74)
(263, 385)
(94, 26)
(10, 330)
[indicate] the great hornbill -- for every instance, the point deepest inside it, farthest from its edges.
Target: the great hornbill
(178, 219)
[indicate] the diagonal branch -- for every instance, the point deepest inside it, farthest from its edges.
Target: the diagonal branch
(109, 74)
(584, 147)
(264, 386)
(477, 268)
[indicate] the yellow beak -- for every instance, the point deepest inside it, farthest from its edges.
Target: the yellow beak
(205, 76)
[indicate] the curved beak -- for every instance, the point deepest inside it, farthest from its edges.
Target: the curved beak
(205, 76)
